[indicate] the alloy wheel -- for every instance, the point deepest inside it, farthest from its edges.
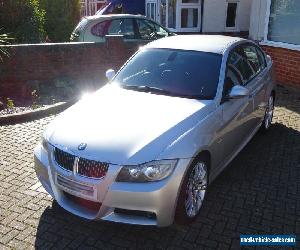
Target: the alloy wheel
(269, 112)
(195, 190)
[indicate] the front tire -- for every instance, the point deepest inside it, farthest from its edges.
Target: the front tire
(192, 191)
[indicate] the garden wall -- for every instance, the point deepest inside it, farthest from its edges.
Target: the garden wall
(286, 64)
(81, 64)
(44, 67)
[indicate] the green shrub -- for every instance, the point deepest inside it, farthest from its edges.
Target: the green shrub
(10, 103)
(61, 18)
(24, 19)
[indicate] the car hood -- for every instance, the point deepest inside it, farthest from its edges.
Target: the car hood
(124, 126)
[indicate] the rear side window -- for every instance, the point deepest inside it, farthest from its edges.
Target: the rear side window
(261, 58)
(239, 63)
(114, 27)
(100, 29)
(252, 57)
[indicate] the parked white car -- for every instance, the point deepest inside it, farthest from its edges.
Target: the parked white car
(132, 27)
(144, 148)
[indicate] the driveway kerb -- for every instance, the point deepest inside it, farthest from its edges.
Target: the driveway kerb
(35, 114)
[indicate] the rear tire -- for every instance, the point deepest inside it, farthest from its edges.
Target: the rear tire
(192, 192)
(268, 114)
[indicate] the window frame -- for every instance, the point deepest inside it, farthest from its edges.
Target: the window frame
(266, 31)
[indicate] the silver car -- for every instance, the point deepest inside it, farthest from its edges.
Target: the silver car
(133, 28)
(144, 148)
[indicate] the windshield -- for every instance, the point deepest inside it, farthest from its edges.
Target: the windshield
(189, 74)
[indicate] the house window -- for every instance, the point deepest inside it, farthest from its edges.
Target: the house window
(231, 15)
(151, 10)
(177, 15)
(284, 22)
(189, 17)
(172, 14)
(189, 14)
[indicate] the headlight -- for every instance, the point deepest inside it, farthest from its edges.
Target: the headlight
(147, 172)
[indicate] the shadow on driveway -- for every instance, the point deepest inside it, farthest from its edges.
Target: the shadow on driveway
(258, 193)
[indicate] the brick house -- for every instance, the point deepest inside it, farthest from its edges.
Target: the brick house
(276, 25)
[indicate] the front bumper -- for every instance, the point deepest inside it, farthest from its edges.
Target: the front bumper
(134, 203)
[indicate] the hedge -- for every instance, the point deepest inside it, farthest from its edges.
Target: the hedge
(35, 21)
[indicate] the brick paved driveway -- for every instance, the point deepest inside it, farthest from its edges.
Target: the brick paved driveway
(258, 193)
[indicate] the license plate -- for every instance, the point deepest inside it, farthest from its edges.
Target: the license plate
(76, 188)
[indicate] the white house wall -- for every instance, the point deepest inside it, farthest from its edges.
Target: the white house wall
(214, 16)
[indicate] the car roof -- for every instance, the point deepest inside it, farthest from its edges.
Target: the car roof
(111, 16)
(205, 43)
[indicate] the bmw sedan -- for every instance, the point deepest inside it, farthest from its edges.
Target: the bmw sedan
(144, 148)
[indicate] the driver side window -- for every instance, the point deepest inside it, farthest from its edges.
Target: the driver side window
(146, 31)
(160, 32)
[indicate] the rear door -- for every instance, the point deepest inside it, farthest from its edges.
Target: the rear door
(259, 81)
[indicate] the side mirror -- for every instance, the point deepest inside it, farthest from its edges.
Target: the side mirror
(238, 92)
(110, 73)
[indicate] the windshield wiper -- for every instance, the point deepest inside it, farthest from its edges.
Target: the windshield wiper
(198, 97)
(146, 89)
(156, 90)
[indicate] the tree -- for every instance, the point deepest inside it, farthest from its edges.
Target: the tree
(61, 18)
(23, 19)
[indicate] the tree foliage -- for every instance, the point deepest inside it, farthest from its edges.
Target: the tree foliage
(61, 18)
(23, 19)
(33, 21)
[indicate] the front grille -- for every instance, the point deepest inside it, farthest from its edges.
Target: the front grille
(64, 159)
(88, 168)
(93, 169)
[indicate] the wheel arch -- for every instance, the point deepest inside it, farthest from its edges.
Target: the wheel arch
(203, 153)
